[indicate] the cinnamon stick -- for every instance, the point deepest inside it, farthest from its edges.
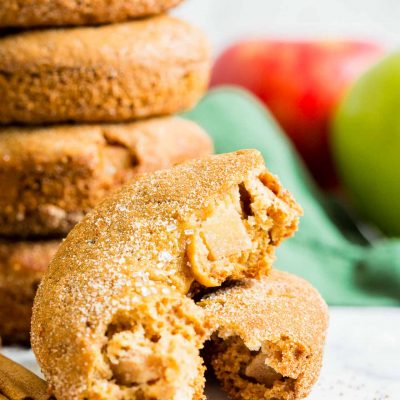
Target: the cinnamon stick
(18, 383)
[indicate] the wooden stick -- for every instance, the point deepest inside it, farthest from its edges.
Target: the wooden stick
(18, 383)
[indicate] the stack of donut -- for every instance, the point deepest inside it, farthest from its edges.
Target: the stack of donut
(173, 274)
(87, 93)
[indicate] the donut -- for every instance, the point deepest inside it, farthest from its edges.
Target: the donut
(115, 315)
(112, 73)
(270, 337)
(51, 176)
(32, 13)
(22, 265)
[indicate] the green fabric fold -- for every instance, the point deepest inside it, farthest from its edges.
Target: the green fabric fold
(345, 273)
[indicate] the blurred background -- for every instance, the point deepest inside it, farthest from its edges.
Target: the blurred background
(228, 20)
(306, 61)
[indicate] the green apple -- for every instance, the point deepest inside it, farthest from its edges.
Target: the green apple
(366, 144)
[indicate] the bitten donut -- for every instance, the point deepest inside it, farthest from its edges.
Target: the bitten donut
(113, 317)
(111, 73)
(31, 13)
(270, 338)
(50, 177)
(22, 265)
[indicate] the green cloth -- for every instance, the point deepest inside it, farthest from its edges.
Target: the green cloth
(346, 273)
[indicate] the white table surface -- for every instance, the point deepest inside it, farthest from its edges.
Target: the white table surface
(362, 360)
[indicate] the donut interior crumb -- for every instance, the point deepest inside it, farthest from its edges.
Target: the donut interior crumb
(235, 236)
(269, 373)
(149, 353)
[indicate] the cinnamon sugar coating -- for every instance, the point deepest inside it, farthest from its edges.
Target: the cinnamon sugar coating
(50, 177)
(22, 265)
(111, 73)
(115, 295)
(270, 337)
(23, 13)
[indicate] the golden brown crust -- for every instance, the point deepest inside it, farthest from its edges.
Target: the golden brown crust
(137, 250)
(50, 177)
(22, 266)
(30, 13)
(271, 335)
(111, 73)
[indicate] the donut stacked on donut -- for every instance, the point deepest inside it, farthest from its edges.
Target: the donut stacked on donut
(87, 103)
(125, 307)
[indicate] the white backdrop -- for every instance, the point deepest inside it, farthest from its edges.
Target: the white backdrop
(227, 20)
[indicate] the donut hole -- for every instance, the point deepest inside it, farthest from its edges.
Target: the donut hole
(248, 374)
(234, 237)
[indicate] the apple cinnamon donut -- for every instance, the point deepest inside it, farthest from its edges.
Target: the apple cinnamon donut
(270, 337)
(32, 13)
(22, 266)
(111, 73)
(113, 317)
(50, 177)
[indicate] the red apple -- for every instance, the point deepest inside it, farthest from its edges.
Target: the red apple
(302, 83)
